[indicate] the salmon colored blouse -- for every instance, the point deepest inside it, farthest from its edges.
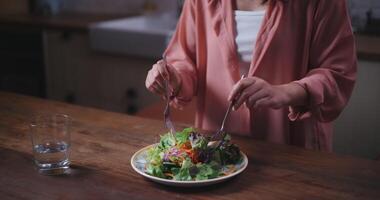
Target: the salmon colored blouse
(307, 42)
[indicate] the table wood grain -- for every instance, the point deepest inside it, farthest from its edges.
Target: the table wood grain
(103, 143)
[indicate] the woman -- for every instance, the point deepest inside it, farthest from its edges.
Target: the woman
(300, 69)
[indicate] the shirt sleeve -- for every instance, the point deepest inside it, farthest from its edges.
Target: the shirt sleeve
(332, 64)
(181, 54)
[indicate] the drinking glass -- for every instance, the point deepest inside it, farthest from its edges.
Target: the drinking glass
(50, 136)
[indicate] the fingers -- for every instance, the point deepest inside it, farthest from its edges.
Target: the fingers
(171, 71)
(159, 90)
(162, 67)
(264, 102)
(176, 104)
(154, 88)
(155, 81)
(174, 78)
(257, 97)
(239, 87)
(241, 99)
(148, 80)
(154, 78)
(246, 93)
(255, 92)
(159, 74)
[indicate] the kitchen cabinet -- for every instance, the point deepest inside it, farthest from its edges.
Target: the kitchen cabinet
(21, 61)
(77, 74)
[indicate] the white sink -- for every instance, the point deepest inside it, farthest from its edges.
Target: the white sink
(143, 36)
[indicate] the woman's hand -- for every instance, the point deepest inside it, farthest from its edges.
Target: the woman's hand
(256, 93)
(160, 72)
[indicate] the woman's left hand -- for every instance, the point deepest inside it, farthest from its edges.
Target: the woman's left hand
(256, 93)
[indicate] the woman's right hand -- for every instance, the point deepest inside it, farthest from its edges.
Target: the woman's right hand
(160, 72)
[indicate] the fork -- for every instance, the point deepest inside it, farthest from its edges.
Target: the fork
(169, 97)
(221, 130)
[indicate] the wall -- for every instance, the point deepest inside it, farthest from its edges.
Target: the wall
(114, 6)
(362, 6)
(359, 8)
(357, 130)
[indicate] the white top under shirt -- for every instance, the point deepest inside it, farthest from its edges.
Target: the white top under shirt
(248, 25)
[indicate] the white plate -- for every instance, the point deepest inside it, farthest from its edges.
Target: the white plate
(138, 162)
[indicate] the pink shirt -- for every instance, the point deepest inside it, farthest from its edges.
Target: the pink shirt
(309, 42)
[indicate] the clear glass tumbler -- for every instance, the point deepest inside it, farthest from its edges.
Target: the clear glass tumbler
(50, 136)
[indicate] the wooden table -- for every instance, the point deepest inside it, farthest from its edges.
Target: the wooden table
(103, 143)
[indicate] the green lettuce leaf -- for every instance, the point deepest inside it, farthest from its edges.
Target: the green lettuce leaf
(183, 136)
(155, 155)
(183, 174)
(154, 162)
(155, 170)
(207, 171)
(166, 141)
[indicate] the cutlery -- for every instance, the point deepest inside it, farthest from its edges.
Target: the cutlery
(221, 131)
(169, 98)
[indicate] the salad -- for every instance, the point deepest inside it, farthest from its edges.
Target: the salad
(186, 156)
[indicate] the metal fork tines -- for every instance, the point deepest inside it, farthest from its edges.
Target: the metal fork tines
(221, 130)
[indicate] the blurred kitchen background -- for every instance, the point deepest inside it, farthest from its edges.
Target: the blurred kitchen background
(97, 53)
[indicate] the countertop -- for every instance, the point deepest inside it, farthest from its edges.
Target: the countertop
(368, 47)
(103, 143)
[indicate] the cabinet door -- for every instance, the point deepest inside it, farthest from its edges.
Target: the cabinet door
(123, 83)
(79, 75)
(70, 74)
(21, 57)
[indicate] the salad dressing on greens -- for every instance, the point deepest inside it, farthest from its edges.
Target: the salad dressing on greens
(186, 156)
